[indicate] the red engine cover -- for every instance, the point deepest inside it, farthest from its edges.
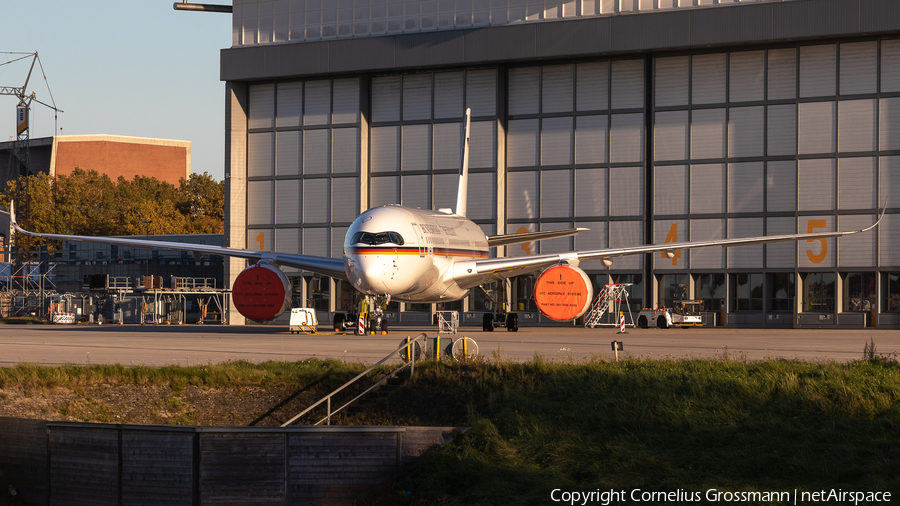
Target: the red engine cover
(261, 292)
(563, 292)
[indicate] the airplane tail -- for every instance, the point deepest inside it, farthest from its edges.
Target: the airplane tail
(464, 168)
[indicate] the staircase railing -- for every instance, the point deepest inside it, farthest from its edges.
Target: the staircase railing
(410, 354)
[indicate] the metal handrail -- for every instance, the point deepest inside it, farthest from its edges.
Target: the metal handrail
(328, 397)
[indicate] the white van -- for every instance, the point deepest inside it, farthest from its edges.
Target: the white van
(303, 320)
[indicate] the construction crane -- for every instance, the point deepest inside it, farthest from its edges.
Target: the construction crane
(18, 156)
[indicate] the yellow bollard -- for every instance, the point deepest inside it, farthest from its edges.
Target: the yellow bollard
(465, 349)
(437, 348)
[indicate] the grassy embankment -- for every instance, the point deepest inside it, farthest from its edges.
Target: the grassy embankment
(656, 425)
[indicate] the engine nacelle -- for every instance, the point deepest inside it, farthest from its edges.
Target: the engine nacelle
(563, 292)
(261, 292)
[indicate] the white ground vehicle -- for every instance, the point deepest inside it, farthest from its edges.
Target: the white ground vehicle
(686, 313)
(303, 320)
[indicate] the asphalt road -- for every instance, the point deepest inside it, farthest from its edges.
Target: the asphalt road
(190, 345)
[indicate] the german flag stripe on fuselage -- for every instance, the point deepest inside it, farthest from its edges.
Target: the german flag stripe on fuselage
(395, 250)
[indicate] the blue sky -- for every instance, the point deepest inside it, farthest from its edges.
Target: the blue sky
(137, 68)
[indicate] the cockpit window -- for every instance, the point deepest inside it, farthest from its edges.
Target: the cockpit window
(375, 238)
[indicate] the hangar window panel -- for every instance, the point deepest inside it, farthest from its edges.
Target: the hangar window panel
(671, 83)
(287, 240)
(556, 193)
(287, 199)
(482, 145)
(590, 139)
(522, 194)
(708, 78)
(316, 151)
(481, 92)
(817, 70)
(416, 96)
(523, 137)
(670, 231)
(890, 66)
(499, 14)
(385, 149)
(782, 79)
(629, 5)
(237, 24)
(595, 238)
(260, 239)
(316, 204)
(558, 88)
(783, 254)
(482, 201)
(315, 241)
(889, 128)
(888, 179)
(266, 22)
(556, 141)
(591, 191)
(781, 186)
(290, 104)
(627, 138)
(745, 257)
(346, 101)
(259, 202)
(707, 258)
(524, 90)
(345, 199)
(260, 151)
(558, 245)
(262, 106)
(416, 147)
(384, 190)
(345, 149)
(287, 153)
(812, 253)
(313, 20)
(590, 7)
(282, 21)
(708, 188)
(817, 130)
(745, 131)
(816, 184)
(745, 187)
(670, 133)
(592, 86)
(317, 103)
(448, 95)
(859, 67)
(298, 20)
(626, 191)
(446, 145)
(337, 241)
(707, 134)
(623, 234)
(889, 240)
(445, 188)
(627, 84)
(671, 189)
(857, 250)
(782, 130)
(386, 98)
(523, 249)
(857, 121)
(746, 76)
(415, 191)
(856, 183)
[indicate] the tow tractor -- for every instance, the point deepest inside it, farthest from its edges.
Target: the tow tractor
(686, 313)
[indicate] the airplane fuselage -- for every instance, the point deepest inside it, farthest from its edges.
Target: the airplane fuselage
(410, 253)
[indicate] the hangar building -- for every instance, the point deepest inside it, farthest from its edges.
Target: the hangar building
(647, 121)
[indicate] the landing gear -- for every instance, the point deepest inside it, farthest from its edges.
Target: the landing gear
(500, 318)
(339, 322)
(512, 322)
(487, 322)
(371, 314)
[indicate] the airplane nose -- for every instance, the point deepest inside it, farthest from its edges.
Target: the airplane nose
(377, 274)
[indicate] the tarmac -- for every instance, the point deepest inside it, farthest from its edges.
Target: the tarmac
(202, 344)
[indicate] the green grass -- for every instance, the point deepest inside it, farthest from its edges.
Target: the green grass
(663, 425)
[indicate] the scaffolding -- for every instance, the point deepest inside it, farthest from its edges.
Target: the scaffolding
(605, 308)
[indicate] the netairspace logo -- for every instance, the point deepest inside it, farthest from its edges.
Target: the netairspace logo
(606, 497)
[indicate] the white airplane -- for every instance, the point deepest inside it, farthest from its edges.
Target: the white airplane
(406, 254)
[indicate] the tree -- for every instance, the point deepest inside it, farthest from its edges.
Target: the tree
(202, 202)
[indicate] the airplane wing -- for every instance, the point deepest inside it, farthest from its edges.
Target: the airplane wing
(333, 267)
(476, 272)
(505, 240)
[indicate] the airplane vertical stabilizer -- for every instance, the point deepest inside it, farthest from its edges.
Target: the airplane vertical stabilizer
(464, 168)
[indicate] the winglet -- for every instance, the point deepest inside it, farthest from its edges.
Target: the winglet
(464, 167)
(883, 209)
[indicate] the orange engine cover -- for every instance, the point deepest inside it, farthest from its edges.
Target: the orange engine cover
(261, 292)
(563, 292)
